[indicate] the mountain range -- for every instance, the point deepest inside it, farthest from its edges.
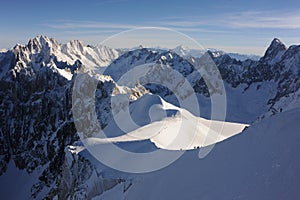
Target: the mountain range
(42, 156)
(184, 51)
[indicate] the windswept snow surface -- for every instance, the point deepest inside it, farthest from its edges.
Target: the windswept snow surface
(171, 127)
(261, 163)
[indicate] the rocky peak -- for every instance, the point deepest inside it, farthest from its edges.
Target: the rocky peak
(292, 51)
(274, 52)
(42, 43)
(37, 50)
(74, 45)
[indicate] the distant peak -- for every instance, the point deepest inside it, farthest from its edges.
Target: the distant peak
(276, 42)
(78, 44)
(40, 39)
(41, 42)
(44, 37)
(182, 47)
(274, 51)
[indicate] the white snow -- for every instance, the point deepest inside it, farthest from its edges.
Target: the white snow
(3, 50)
(64, 73)
(91, 57)
(163, 58)
(261, 163)
(172, 128)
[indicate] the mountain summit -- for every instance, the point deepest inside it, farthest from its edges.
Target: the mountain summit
(274, 52)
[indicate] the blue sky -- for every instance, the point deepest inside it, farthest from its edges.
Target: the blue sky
(233, 26)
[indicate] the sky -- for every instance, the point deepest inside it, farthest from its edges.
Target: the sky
(232, 25)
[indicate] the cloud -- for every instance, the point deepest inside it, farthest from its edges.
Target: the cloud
(183, 23)
(71, 24)
(247, 19)
(97, 26)
(222, 23)
(254, 19)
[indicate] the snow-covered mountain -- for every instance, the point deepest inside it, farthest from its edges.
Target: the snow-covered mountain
(42, 51)
(41, 155)
(137, 57)
(271, 78)
(186, 52)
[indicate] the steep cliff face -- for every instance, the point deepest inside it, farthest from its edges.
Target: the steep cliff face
(80, 179)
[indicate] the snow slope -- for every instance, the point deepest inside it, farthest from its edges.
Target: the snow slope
(171, 127)
(261, 163)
